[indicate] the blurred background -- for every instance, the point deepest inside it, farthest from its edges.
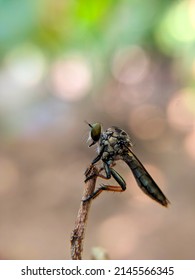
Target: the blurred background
(129, 63)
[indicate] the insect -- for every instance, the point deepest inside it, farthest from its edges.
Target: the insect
(115, 144)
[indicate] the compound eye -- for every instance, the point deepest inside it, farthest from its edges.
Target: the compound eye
(95, 131)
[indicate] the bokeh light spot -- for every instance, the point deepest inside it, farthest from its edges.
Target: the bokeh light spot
(147, 121)
(26, 65)
(130, 65)
(179, 112)
(72, 78)
(176, 32)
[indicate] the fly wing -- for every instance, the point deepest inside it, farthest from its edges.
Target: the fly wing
(144, 180)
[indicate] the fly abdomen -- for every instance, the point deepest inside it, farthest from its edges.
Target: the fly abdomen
(144, 180)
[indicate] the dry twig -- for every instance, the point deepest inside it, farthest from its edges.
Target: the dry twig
(77, 236)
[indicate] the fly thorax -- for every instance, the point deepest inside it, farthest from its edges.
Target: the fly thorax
(108, 154)
(115, 143)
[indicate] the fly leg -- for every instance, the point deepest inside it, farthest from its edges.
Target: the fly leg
(87, 172)
(109, 172)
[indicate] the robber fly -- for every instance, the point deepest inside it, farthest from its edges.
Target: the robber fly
(115, 144)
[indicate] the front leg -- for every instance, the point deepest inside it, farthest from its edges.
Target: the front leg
(93, 162)
(109, 172)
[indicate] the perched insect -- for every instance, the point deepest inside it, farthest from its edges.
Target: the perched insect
(115, 144)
